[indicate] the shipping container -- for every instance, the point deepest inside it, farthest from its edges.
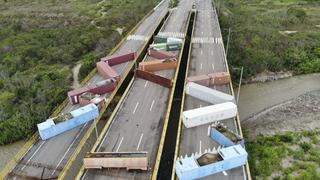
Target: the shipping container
(209, 114)
(207, 94)
(174, 46)
(161, 54)
(203, 80)
(158, 65)
(103, 87)
(118, 59)
(98, 101)
(106, 71)
(224, 136)
(159, 46)
(219, 78)
(153, 78)
(159, 39)
(212, 162)
(74, 94)
(174, 40)
(128, 160)
(85, 98)
(64, 122)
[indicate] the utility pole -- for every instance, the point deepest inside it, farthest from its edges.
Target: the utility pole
(228, 42)
(239, 85)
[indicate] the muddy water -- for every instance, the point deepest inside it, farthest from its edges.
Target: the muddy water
(259, 96)
(7, 152)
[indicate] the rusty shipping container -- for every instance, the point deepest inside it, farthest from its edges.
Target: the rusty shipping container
(219, 78)
(103, 87)
(106, 71)
(154, 78)
(118, 59)
(201, 79)
(128, 160)
(74, 94)
(87, 98)
(161, 54)
(158, 65)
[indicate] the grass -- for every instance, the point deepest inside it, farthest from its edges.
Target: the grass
(256, 39)
(291, 155)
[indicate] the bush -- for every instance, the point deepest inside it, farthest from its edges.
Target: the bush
(305, 146)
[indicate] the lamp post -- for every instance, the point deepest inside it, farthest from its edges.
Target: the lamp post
(239, 87)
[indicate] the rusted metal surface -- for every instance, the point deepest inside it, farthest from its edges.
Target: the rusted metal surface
(158, 65)
(128, 160)
(201, 79)
(161, 54)
(154, 78)
(106, 71)
(219, 78)
(74, 94)
(118, 59)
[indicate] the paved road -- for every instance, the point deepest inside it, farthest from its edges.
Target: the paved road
(206, 58)
(54, 153)
(139, 121)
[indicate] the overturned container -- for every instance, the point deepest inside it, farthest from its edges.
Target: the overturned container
(220, 78)
(74, 94)
(203, 80)
(118, 59)
(106, 71)
(161, 54)
(158, 65)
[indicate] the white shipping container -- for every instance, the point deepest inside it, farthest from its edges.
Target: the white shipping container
(207, 94)
(176, 40)
(209, 114)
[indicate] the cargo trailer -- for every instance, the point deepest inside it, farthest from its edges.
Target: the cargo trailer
(159, 39)
(103, 87)
(106, 71)
(203, 80)
(219, 78)
(118, 59)
(210, 162)
(161, 54)
(224, 136)
(62, 123)
(158, 65)
(207, 94)
(209, 114)
(74, 94)
(153, 78)
(128, 160)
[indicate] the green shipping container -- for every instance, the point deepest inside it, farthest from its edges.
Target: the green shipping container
(160, 39)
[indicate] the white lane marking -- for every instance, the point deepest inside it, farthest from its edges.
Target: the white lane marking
(64, 155)
(120, 144)
(200, 105)
(224, 173)
(151, 105)
(212, 67)
(211, 52)
(139, 141)
(135, 108)
(145, 85)
(202, 32)
(200, 148)
(201, 66)
(201, 51)
(33, 155)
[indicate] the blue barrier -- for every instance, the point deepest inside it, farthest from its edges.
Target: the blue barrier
(199, 166)
(67, 121)
(221, 139)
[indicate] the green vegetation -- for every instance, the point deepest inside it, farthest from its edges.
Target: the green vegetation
(174, 3)
(40, 41)
(272, 35)
(285, 156)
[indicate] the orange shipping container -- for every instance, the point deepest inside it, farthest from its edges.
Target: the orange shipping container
(219, 78)
(201, 79)
(158, 65)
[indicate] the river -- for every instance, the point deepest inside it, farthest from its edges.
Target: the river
(253, 99)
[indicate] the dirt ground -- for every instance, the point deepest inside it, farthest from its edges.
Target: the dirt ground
(301, 113)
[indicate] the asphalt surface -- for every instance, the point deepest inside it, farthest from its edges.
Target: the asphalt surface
(138, 124)
(206, 58)
(55, 152)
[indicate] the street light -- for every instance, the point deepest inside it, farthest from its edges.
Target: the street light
(238, 94)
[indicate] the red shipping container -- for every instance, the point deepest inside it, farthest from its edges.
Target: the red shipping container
(154, 78)
(201, 79)
(74, 94)
(158, 65)
(219, 78)
(103, 87)
(118, 59)
(98, 101)
(106, 71)
(161, 54)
